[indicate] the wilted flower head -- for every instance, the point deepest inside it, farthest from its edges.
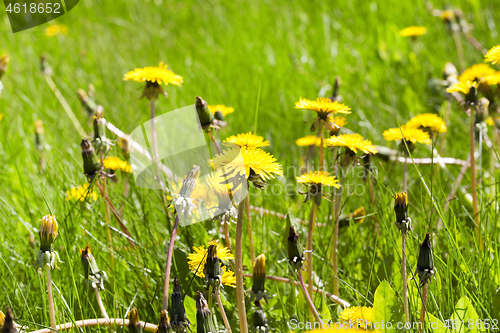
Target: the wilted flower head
(7, 324)
(247, 140)
(493, 55)
(39, 135)
(93, 275)
(295, 253)
(48, 233)
(164, 324)
(91, 165)
(428, 122)
(425, 263)
(314, 182)
(183, 203)
(413, 31)
(154, 77)
(259, 278)
(126, 144)
(225, 209)
(134, 325)
(359, 316)
(204, 322)
(179, 318)
(212, 268)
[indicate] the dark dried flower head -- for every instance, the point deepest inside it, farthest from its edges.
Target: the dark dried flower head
(204, 323)
(134, 325)
(259, 320)
(425, 262)
(92, 274)
(164, 324)
(295, 253)
(205, 117)
(91, 165)
(403, 222)
(178, 311)
(7, 322)
(212, 268)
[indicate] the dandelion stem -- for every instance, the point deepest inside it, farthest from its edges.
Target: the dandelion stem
(240, 292)
(101, 304)
(226, 236)
(424, 305)
(222, 312)
(308, 298)
(249, 229)
(210, 134)
(153, 130)
(166, 282)
(405, 176)
(405, 282)
(97, 322)
(332, 297)
(473, 174)
(335, 260)
(312, 220)
(51, 299)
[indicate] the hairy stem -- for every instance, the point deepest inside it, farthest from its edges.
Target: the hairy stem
(335, 259)
(312, 220)
(222, 312)
(238, 258)
(51, 299)
(424, 306)
(405, 282)
(166, 282)
(308, 298)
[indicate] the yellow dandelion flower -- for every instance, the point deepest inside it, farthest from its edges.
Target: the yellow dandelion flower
(354, 314)
(339, 121)
(160, 75)
(308, 140)
(413, 31)
(410, 134)
(480, 72)
(56, 29)
(319, 177)
(324, 107)
(225, 110)
(2, 319)
(447, 15)
(247, 140)
(428, 122)
(462, 87)
(353, 142)
(493, 55)
(199, 257)
(359, 214)
(80, 193)
(259, 161)
(115, 163)
(1, 116)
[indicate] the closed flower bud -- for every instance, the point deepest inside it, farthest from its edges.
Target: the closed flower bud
(99, 124)
(204, 323)
(92, 274)
(259, 320)
(212, 269)
(134, 325)
(48, 233)
(259, 278)
(91, 165)
(89, 105)
(7, 322)
(204, 115)
(295, 253)
(164, 324)
(179, 318)
(403, 222)
(425, 262)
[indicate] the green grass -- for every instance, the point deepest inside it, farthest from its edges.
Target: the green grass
(241, 53)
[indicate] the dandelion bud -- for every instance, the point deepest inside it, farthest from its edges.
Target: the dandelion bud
(134, 325)
(164, 324)
(89, 105)
(401, 206)
(91, 165)
(7, 322)
(204, 323)
(295, 253)
(212, 267)
(204, 115)
(179, 318)
(260, 320)
(92, 274)
(4, 60)
(48, 232)
(425, 262)
(259, 277)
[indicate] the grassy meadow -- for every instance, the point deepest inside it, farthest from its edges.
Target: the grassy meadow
(259, 57)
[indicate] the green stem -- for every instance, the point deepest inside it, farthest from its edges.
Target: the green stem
(249, 230)
(51, 299)
(312, 220)
(238, 257)
(405, 282)
(475, 206)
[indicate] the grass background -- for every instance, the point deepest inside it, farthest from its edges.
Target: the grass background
(231, 53)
